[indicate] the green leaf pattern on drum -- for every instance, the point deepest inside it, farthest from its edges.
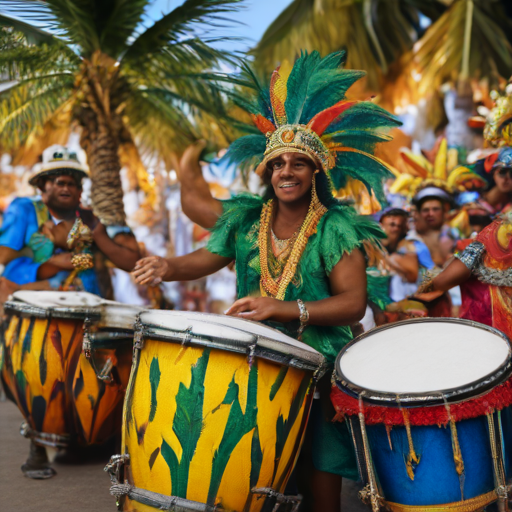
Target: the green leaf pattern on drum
(187, 425)
(238, 425)
(154, 380)
(284, 427)
(278, 382)
(256, 458)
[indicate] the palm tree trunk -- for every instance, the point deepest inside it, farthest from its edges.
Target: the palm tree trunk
(102, 147)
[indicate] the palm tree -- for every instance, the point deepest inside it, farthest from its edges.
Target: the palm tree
(375, 33)
(101, 65)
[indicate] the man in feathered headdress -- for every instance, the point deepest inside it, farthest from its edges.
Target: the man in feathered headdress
(297, 249)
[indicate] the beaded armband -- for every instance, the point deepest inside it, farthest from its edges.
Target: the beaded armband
(471, 256)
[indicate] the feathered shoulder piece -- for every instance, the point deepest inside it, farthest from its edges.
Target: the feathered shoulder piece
(305, 110)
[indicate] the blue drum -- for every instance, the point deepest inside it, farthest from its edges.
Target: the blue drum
(427, 402)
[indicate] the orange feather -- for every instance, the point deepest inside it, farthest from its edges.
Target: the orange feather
(323, 119)
(263, 124)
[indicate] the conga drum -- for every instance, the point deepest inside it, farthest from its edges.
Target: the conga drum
(66, 363)
(214, 414)
(427, 403)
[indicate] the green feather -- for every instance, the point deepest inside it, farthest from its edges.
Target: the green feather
(377, 288)
(327, 88)
(364, 140)
(364, 169)
(334, 60)
(246, 148)
(298, 85)
(364, 115)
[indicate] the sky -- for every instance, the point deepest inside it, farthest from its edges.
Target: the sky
(255, 17)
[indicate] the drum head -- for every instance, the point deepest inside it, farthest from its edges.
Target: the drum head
(115, 315)
(58, 304)
(424, 362)
(229, 333)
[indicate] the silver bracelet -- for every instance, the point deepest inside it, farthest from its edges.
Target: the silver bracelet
(303, 318)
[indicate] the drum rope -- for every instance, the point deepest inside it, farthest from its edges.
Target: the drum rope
(44, 438)
(499, 471)
(412, 459)
(374, 495)
(457, 453)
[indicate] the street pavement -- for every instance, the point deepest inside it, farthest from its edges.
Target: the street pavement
(80, 485)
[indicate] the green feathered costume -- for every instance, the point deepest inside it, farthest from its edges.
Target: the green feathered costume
(305, 111)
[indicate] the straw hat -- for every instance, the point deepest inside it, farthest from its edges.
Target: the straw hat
(58, 160)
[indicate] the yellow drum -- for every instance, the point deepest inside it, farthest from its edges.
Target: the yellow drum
(69, 386)
(214, 414)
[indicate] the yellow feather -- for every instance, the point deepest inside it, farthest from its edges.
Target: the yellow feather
(440, 162)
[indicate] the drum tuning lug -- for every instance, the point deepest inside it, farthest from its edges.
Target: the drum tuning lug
(138, 339)
(187, 335)
(319, 372)
(280, 499)
(86, 340)
(114, 466)
(105, 374)
(250, 353)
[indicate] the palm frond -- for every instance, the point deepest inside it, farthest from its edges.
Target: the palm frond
(177, 25)
(157, 124)
(25, 109)
(438, 55)
(20, 60)
(33, 34)
(70, 19)
(116, 22)
(375, 33)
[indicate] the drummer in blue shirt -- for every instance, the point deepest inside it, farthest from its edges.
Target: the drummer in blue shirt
(34, 251)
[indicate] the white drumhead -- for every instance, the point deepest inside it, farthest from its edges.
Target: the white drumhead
(116, 315)
(423, 357)
(55, 299)
(228, 327)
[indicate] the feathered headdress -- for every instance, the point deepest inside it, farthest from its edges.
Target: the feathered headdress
(443, 173)
(305, 110)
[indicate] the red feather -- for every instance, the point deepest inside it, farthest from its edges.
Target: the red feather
(263, 124)
(323, 119)
(490, 161)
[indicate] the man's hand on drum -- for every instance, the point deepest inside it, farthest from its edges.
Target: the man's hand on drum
(265, 308)
(150, 271)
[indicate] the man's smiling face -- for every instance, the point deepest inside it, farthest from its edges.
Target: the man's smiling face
(292, 175)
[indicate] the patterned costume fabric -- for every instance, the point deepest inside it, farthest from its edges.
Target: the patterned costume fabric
(20, 232)
(305, 111)
(489, 258)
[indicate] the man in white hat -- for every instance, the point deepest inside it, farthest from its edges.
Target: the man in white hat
(34, 241)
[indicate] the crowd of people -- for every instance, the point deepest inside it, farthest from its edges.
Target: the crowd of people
(305, 261)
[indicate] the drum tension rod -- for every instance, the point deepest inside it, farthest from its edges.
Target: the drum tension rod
(281, 499)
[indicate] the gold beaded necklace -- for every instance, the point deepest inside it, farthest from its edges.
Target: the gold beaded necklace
(276, 288)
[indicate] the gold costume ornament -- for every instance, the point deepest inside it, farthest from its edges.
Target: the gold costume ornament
(276, 288)
(497, 126)
(79, 240)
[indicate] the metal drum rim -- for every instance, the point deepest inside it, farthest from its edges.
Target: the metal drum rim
(471, 390)
(261, 346)
(75, 312)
